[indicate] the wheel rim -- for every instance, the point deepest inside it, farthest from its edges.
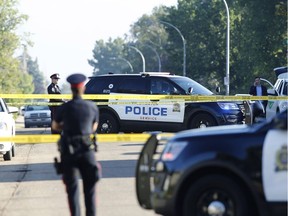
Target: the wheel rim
(215, 203)
(203, 124)
(106, 127)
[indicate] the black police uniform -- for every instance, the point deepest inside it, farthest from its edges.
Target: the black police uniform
(78, 117)
(54, 89)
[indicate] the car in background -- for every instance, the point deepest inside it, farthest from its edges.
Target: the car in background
(7, 128)
(37, 116)
(226, 170)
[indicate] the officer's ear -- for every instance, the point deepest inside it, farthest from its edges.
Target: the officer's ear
(82, 89)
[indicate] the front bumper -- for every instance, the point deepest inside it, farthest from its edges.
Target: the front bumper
(5, 147)
(231, 118)
(162, 195)
(37, 122)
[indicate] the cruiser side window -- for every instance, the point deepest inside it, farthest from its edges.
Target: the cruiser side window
(159, 86)
(133, 86)
(101, 85)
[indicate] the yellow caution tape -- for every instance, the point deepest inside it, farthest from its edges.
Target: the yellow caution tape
(102, 138)
(136, 99)
(144, 97)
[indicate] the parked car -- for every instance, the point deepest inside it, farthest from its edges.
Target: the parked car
(7, 128)
(238, 170)
(165, 114)
(37, 116)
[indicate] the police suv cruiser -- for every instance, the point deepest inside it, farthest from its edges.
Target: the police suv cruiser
(162, 114)
(238, 170)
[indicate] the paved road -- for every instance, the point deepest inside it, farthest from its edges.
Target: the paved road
(29, 185)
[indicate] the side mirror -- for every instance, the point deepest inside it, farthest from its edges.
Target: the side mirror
(190, 90)
(13, 109)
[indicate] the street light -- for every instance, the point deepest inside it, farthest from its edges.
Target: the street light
(158, 56)
(184, 45)
(142, 56)
(123, 59)
(227, 78)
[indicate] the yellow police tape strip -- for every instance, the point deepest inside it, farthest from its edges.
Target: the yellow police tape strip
(145, 97)
(101, 138)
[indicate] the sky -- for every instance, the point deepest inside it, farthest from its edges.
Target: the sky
(64, 31)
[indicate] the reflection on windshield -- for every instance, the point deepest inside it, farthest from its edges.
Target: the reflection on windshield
(187, 83)
(38, 108)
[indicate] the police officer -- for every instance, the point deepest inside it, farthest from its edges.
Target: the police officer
(259, 107)
(78, 119)
(53, 88)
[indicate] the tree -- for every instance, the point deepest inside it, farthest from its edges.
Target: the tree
(10, 19)
(38, 77)
(258, 40)
(104, 54)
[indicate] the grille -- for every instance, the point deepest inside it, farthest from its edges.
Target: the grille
(43, 115)
(242, 107)
(39, 115)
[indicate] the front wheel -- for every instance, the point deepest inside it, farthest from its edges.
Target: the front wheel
(8, 155)
(107, 124)
(215, 195)
(13, 151)
(202, 120)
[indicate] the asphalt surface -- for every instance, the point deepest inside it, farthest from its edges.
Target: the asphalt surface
(30, 186)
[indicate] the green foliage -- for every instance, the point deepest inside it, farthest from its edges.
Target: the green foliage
(11, 76)
(104, 54)
(258, 42)
(38, 77)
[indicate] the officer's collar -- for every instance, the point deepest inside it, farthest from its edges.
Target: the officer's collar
(77, 97)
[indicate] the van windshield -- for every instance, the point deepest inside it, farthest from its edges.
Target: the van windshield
(186, 84)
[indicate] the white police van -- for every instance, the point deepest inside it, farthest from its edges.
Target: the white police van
(280, 88)
(161, 114)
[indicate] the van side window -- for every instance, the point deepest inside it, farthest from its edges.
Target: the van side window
(285, 88)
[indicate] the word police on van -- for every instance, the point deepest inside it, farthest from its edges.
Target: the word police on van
(163, 114)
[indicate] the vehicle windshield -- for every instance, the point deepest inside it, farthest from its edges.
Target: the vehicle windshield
(186, 84)
(32, 108)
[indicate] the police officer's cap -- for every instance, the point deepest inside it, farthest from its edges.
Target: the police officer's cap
(76, 80)
(55, 76)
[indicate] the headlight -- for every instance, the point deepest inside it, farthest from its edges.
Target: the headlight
(228, 106)
(173, 150)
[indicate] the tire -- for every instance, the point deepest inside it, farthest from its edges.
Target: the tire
(8, 156)
(215, 191)
(202, 120)
(107, 124)
(13, 151)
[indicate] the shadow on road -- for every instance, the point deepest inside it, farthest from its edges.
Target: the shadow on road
(46, 171)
